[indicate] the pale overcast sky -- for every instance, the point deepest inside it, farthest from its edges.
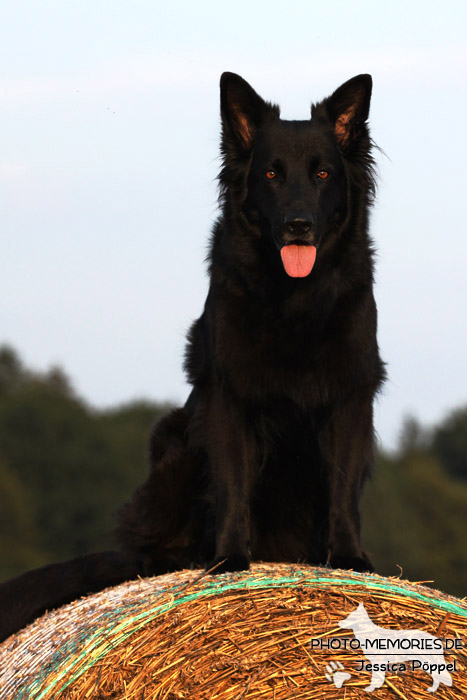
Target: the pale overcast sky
(109, 140)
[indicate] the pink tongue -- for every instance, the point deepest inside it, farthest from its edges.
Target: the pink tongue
(298, 260)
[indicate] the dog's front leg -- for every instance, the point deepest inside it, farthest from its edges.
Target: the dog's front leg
(231, 452)
(347, 444)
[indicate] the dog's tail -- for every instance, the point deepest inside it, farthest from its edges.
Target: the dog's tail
(26, 597)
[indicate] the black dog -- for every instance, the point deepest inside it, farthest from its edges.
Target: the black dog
(268, 457)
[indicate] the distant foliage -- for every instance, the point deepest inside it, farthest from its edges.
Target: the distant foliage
(65, 469)
(450, 443)
(11, 369)
(415, 521)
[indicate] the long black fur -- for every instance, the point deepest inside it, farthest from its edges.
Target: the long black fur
(268, 457)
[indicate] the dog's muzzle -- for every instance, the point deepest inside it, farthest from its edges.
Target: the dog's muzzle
(298, 228)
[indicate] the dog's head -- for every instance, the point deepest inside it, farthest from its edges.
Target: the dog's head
(292, 178)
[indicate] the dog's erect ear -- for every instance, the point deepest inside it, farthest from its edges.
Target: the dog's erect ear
(242, 110)
(348, 108)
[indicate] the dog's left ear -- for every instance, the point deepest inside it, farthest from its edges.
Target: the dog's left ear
(348, 108)
(242, 111)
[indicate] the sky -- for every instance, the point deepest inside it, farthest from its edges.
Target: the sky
(109, 122)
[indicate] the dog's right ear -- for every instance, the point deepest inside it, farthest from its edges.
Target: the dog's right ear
(243, 111)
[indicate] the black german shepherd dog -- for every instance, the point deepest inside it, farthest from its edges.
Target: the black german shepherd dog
(268, 457)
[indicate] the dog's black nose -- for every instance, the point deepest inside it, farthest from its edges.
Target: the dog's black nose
(298, 226)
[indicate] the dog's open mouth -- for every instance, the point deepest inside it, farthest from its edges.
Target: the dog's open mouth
(298, 260)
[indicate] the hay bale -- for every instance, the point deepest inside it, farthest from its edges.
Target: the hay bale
(227, 637)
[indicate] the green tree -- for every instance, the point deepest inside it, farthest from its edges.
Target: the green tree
(414, 521)
(450, 443)
(64, 465)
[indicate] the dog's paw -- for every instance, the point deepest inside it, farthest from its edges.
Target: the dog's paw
(361, 564)
(335, 674)
(236, 562)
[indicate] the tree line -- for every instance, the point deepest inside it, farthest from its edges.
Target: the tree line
(66, 468)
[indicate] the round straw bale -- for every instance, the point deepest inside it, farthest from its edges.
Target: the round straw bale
(257, 634)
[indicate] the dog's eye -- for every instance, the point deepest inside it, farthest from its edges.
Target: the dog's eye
(270, 174)
(322, 174)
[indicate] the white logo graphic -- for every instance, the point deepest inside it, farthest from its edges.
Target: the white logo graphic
(390, 650)
(335, 674)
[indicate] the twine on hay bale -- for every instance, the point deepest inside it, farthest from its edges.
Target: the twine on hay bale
(236, 636)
